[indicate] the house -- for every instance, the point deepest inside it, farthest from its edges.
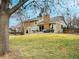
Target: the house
(12, 30)
(55, 23)
(39, 24)
(30, 26)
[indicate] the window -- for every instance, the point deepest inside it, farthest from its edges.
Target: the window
(62, 26)
(0, 2)
(35, 22)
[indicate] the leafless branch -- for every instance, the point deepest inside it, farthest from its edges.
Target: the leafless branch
(21, 2)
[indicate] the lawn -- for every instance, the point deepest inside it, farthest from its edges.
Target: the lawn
(46, 46)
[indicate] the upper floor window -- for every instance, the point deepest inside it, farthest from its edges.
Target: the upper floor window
(35, 22)
(0, 2)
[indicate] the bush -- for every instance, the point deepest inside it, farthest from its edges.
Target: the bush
(48, 30)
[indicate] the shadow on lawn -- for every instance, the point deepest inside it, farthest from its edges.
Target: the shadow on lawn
(13, 54)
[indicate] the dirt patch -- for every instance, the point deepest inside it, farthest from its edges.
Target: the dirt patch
(13, 54)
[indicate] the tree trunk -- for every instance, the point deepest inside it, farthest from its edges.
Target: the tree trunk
(4, 36)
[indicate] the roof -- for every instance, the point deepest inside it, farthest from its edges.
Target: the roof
(53, 20)
(32, 20)
(26, 21)
(56, 19)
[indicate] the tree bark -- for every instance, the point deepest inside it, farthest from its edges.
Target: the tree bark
(5, 12)
(4, 36)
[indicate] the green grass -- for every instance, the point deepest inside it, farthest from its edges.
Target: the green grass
(46, 46)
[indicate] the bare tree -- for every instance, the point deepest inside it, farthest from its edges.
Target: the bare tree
(21, 18)
(5, 13)
(75, 22)
(45, 7)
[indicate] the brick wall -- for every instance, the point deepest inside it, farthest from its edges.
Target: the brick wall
(29, 23)
(46, 22)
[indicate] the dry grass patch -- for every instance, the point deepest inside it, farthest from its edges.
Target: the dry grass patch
(46, 46)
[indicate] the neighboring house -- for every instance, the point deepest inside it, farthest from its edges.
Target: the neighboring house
(38, 24)
(12, 30)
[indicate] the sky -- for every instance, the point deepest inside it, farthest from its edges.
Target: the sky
(73, 6)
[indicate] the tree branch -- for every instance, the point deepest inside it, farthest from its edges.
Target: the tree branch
(21, 2)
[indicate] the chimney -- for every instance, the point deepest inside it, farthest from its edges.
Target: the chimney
(46, 21)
